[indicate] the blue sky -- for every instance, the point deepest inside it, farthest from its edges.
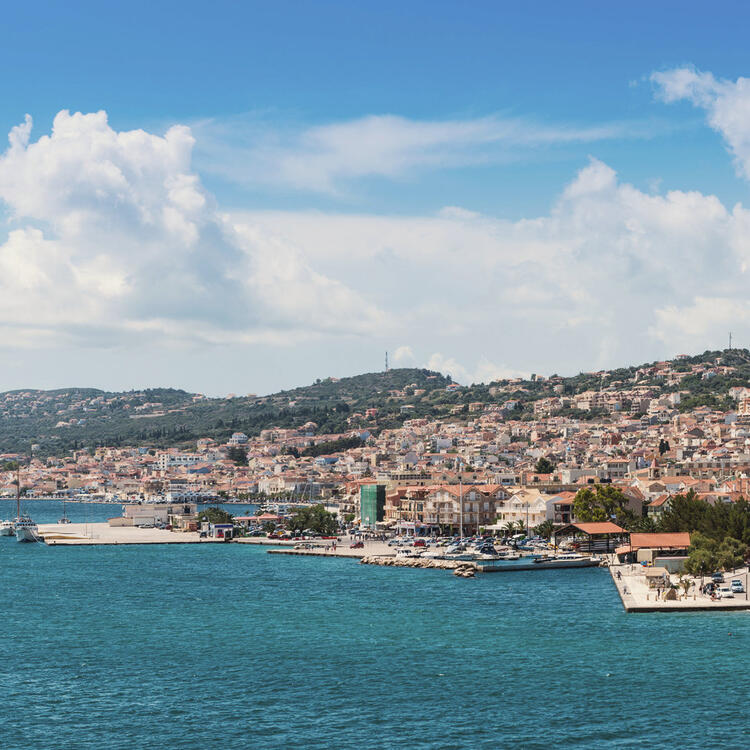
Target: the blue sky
(466, 185)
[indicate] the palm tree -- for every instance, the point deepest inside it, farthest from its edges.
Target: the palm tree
(545, 529)
(686, 583)
(509, 528)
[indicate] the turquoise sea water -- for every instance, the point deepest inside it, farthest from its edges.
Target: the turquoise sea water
(225, 646)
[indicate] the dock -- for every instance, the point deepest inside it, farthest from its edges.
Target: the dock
(636, 596)
(86, 534)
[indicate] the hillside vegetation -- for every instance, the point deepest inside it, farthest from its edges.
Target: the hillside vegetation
(62, 420)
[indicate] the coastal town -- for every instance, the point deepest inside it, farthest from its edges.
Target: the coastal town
(597, 476)
(628, 434)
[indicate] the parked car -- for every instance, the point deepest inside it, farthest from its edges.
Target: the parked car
(737, 586)
(717, 578)
(420, 543)
(725, 592)
(356, 545)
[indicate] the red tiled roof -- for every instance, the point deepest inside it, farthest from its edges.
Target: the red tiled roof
(600, 527)
(666, 540)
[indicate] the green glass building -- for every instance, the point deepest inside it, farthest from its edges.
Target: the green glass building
(371, 504)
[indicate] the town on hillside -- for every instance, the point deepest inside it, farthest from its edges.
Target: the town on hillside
(508, 459)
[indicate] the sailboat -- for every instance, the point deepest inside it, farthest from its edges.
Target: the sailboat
(26, 529)
(64, 518)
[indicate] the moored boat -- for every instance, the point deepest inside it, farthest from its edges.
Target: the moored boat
(7, 528)
(567, 560)
(26, 530)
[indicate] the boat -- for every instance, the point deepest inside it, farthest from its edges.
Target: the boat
(26, 530)
(64, 518)
(405, 552)
(458, 552)
(7, 528)
(567, 560)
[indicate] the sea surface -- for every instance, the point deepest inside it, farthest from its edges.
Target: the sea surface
(226, 646)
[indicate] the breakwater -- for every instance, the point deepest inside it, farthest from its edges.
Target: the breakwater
(416, 562)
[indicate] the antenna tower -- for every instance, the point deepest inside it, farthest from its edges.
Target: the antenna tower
(386, 361)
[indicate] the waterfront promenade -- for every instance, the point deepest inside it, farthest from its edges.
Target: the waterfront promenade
(636, 596)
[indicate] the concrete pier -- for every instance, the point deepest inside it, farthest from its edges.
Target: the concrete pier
(636, 596)
(81, 534)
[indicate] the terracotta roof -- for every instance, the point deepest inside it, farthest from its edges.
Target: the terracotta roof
(659, 501)
(600, 527)
(666, 540)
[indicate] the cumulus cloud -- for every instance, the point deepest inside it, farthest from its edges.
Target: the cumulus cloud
(585, 285)
(727, 105)
(484, 371)
(326, 158)
(404, 356)
(113, 237)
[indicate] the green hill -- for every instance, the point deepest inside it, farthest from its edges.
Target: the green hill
(61, 420)
(66, 419)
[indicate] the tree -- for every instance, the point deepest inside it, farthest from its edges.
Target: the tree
(685, 583)
(731, 553)
(601, 504)
(215, 515)
(315, 518)
(663, 447)
(544, 466)
(700, 562)
(545, 529)
(237, 454)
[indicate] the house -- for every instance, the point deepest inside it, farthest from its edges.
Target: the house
(667, 549)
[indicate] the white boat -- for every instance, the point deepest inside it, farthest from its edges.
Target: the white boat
(406, 552)
(459, 554)
(64, 518)
(567, 560)
(26, 530)
(7, 528)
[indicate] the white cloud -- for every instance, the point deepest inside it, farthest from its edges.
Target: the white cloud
(484, 371)
(326, 158)
(581, 287)
(404, 356)
(112, 237)
(727, 105)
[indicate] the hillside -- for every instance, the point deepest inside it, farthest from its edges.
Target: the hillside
(62, 420)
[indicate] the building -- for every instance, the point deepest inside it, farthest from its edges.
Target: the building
(371, 504)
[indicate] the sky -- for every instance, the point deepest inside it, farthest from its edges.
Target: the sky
(244, 197)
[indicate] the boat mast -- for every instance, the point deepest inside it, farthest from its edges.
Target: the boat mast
(460, 502)
(18, 492)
